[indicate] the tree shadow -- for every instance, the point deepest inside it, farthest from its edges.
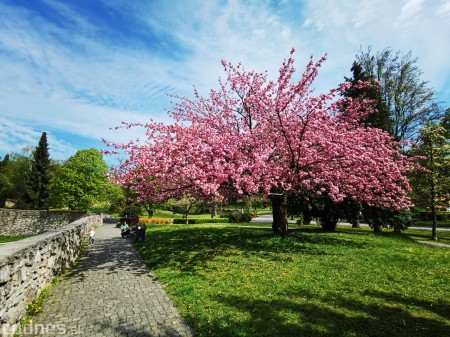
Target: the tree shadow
(326, 316)
(109, 256)
(189, 248)
(142, 329)
(441, 307)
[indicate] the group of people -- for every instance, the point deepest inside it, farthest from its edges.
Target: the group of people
(137, 232)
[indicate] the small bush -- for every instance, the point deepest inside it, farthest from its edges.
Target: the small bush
(237, 217)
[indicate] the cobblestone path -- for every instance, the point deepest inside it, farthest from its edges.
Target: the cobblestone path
(109, 292)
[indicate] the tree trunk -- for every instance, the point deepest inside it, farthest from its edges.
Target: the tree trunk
(355, 223)
(279, 212)
(306, 217)
(329, 216)
(149, 209)
(186, 214)
(433, 195)
(214, 210)
(433, 210)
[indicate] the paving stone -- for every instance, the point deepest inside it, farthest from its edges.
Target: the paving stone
(110, 292)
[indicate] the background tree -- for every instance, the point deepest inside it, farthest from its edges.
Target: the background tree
(269, 136)
(445, 123)
(38, 181)
(116, 198)
(81, 183)
(13, 180)
(381, 117)
(4, 181)
(183, 204)
(434, 184)
(402, 92)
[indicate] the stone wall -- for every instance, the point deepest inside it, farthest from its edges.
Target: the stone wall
(27, 266)
(33, 222)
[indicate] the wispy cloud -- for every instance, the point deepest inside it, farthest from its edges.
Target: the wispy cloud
(20, 138)
(78, 68)
(444, 9)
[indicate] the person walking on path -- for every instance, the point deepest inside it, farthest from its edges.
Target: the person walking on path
(110, 292)
(91, 236)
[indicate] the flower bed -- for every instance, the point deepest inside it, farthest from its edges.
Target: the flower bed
(153, 221)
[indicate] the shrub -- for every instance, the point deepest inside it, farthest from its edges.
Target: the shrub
(237, 217)
(385, 217)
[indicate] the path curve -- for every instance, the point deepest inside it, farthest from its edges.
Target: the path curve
(109, 292)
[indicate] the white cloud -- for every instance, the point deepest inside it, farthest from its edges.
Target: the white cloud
(82, 84)
(444, 9)
(18, 137)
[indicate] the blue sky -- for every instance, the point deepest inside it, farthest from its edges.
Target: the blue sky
(75, 68)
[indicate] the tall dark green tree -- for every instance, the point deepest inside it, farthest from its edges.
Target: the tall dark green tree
(445, 123)
(381, 118)
(39, 176)
(4, 180)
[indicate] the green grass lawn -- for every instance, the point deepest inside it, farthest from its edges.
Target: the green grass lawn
(5, 238)
(430, 223)
(231, 281)
(171, 215)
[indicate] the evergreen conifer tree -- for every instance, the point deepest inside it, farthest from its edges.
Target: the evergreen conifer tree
(39, 177)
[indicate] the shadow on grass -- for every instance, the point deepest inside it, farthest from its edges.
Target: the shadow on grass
(440, 308)
(372, 313)
(190, 247)
(324, 317)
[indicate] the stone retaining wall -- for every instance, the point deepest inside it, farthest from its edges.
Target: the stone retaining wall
(27, 266)
(33, 222)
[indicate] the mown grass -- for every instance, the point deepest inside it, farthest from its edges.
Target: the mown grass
(171, 215)
(7, 238)
(168, 214)
(234, 281)
(425, 235)
(442, 223)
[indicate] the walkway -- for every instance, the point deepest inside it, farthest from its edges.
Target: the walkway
(110, 292)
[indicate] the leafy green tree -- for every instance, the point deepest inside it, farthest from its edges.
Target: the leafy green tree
(13, 180)
(402, 92)
(116, 198)
(445, 123)
(433, 185)
(81, 182)
(37, 192)
(3, 180)
(183, 205)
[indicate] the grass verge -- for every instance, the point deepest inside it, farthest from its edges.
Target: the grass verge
(235, 281)
(35, 307)
(7, 238)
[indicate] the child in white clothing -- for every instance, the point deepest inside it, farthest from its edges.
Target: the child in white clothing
(91, 236)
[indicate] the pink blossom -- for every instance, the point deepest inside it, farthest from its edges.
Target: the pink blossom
(252, 133)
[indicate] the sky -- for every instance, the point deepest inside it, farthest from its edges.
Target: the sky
(76, 68)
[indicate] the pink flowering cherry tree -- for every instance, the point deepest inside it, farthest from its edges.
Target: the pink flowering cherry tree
(258, 135)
